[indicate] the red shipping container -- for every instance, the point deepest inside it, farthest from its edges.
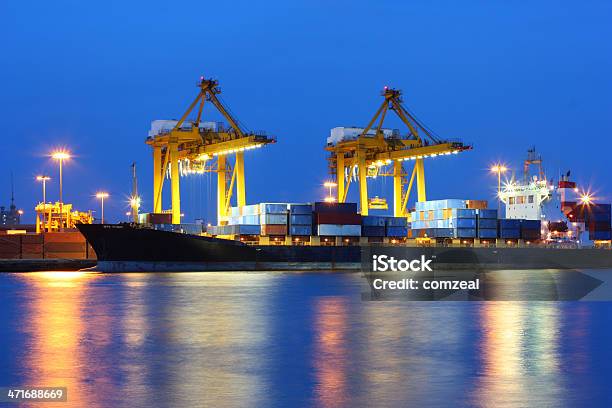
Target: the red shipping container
(338, 218)
(272, 229)
(160, 218)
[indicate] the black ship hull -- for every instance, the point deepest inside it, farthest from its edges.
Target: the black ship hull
(123, 248)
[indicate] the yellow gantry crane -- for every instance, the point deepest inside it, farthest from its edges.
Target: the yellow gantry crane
(368, 154)
(192, 147)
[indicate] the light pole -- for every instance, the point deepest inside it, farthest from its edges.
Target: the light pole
(330, 184)
(499, 169)
(60, 156)
(101, 195)
(44, 180)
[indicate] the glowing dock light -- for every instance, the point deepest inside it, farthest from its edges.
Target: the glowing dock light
(586, 198)
(499, 169)
(330, 185)
(102, 196)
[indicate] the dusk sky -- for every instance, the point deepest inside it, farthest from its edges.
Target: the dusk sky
(501, 75)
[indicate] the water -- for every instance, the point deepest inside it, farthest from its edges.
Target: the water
(272, 339)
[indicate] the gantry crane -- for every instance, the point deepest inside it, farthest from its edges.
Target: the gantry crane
(367, 155)
(188, 145)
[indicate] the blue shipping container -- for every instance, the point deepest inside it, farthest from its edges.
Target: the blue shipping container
(465, 232)
(487, 213)
(441, 233)
(507, 223)
(372, 231)
(600, 235)
(397, 231)
(373, 221)
(396, 222)
(531, 225)
(300, 208)
(275, 219)
(510, 233)
(487, 233)
(300, 230)
(463, 213)
(273, 208)
(463, 222)
(300, 219)
(486, 223)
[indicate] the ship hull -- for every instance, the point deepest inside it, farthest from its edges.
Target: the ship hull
(125, 248)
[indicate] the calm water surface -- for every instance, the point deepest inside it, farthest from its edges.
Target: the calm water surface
(273, 339)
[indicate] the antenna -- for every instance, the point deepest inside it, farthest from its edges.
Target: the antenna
(12, 191)
(135, 200)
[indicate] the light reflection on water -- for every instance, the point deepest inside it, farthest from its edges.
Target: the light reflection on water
(271, 339)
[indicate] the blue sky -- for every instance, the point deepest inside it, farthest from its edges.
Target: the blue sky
(501, 75)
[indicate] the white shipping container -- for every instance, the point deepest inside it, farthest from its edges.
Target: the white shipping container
(339, 230)
(339, 134)
(161, 126)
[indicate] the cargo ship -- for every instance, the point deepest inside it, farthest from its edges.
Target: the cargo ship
(333, 236)
(336, 234)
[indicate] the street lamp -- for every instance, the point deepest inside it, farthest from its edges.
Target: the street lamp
(102, 195)
(60, 156)
(499, 169)
(44, 180)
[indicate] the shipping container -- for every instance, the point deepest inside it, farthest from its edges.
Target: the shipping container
(276, 219)
(300, 208)
(510, 233)
(372, 231)
(439, 204)
(465, 232)
(339, 230)
(487, 223)
(462, 213)
(160, 218)
(373, 221)
(300, 230)
(272, 229)
(600, 235)
(440, 233)
(462, 223)
(323, 207)
(338, 218)
(510, 224)
(531, 225)
(396, 231)
(598, 226)
(477, 204)
(487, 233)
(273, 208)
(300, 219)
(396, 222)
(252, 209)
(531, 235)
(486, 213)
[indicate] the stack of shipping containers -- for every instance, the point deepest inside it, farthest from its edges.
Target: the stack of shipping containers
(336, 220)
(273, 219)
(509, 229)
(487, 223)
(596, 218)
(300, 220)
(531, 230)
(444, 219)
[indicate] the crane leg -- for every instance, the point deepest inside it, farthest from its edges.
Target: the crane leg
(398, 209)
(221, 187)
(363, 185)
(175, 187)
(420, 175)
(240, 182)
(157, 177)
(340, 177)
